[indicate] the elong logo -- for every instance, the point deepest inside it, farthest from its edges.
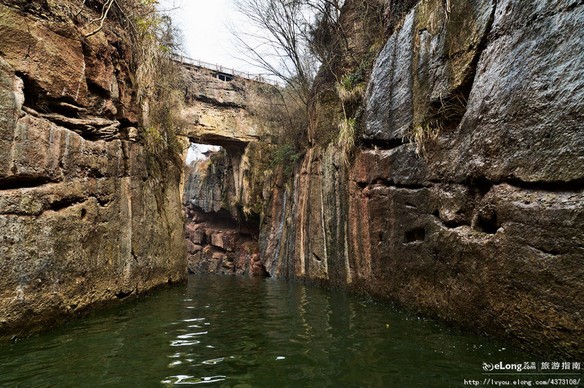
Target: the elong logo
(500, 366)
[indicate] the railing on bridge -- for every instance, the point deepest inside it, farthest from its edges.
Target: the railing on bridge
(224, 70)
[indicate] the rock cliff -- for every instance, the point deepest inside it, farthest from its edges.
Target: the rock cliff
(465, 197)
(221, 238)
(84, 218)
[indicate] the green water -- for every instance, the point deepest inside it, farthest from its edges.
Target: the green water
(239, 332)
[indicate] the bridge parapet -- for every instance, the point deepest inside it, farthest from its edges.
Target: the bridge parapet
(224, 70)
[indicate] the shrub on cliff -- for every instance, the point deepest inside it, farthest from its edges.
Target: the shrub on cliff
(156, 75)
(298, 36)
(346, 46)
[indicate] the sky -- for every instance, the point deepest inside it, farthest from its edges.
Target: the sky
(206, 36)
(196, 152)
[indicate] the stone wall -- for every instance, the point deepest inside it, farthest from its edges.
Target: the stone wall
(83, 219)
(220, 112)
(465, 200)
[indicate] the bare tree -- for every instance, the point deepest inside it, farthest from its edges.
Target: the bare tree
(294, 37)
(278, 42)
(290, 39)
(327, 38)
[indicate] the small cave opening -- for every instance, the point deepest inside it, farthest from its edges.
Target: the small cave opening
(122, 294)
(415, 234)
(221, 232)
(486, 221)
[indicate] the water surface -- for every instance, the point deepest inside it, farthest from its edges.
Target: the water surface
(239, 332)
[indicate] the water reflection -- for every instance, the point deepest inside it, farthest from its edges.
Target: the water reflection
(227, 331)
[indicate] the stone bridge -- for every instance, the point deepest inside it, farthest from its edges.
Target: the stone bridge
(220, 104)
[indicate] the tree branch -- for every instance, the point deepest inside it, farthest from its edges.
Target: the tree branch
(105, 10)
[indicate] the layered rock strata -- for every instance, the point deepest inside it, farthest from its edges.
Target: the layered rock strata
(218, 241)
(219, 111)
(224, 194)
(218, 244)
(83, 219)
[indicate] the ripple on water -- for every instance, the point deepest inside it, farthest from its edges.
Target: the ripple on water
(191, 335)
(192, 380)
(184, 342)
(214, 361)
(274, 334)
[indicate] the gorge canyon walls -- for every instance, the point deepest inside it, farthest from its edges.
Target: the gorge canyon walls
(464, 199)
(84, 217)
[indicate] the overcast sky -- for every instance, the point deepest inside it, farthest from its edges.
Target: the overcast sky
(204, 25)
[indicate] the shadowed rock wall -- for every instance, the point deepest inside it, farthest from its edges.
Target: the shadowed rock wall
(83, 220)
(466, 199)
(222, 237)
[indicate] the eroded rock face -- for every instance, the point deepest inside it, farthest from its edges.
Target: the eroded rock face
(83, 221)
(219, 111)
(221, 237)
(481, 221)
(224, 193)
(217, 244)
(526, 99)
(425, 62)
